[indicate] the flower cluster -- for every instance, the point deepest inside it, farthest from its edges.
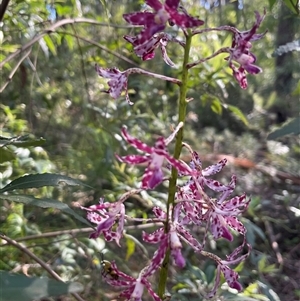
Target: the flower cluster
(190, 204)
(156, 21)
(240, 51)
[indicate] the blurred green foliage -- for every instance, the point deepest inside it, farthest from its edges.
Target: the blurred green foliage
(55, 119)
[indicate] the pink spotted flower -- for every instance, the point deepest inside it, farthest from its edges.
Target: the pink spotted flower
(105, 215)
(134, 287)
(230, 275)
(154, 158)
(117, 81)
(177, 233)
(146, 50)
(240, 52)
(156, 21)
(220, 213)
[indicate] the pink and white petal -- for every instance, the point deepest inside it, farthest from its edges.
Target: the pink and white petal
(188, 238)
(127, 293)
(215, 168)
(173, 134)
(151, 291)
(180, 166)
(133, 159)
(158, 257)
(159, 213)
(213, 292)
(154, 237)
(138, 290)
(218, 227)
(120, 273)
(139, 18)
(94, 217)
(185, 21)
(172, 4)
(233, 257)
(231, 277)
(178, 258)
(236, 205)
(152, 177)
(215, 185)
(155, 4)
(252, 69)
(111, 73)
(138, 144)
(235, 224)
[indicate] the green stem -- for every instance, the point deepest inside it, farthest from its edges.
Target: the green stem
(178, 145)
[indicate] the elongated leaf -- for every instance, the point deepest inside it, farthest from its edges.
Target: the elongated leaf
(271, 3)
(291, 127)
(50, 44)
(293, 5)
(40, 180)
(21, 141)
(44, 203)
(14, 287)
(238, 114)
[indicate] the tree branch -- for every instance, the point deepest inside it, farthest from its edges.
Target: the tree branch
(38, 260)
(3, 7)
(52, 29)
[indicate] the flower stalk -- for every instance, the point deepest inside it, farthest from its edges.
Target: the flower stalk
(182, 104)
(188, 204)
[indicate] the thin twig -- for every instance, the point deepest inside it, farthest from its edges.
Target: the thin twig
(274, 243)
(74, 232)
(86, 85)
(12, 73)
(222, 50)
(38, 260)
(99, 46)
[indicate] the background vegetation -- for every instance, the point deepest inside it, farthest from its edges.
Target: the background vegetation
(54, 118)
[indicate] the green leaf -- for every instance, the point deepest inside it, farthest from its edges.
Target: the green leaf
(291, 127)
(238, 114)
(70, 41)
(6, 155)
(21, 141)
(271, 3)
(293, 5)
(262, 264)
(40, 180)
(14, 287)
(50, 44)
(216, 106)
(44, 203)
(130, 247)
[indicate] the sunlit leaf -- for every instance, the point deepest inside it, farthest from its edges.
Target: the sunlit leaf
(70, 41)
(238, 114)
(130, 244)
(14, 287)
(50, 44)
(293, 5)
(40, 180)
(216, 106)
(291, 127)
